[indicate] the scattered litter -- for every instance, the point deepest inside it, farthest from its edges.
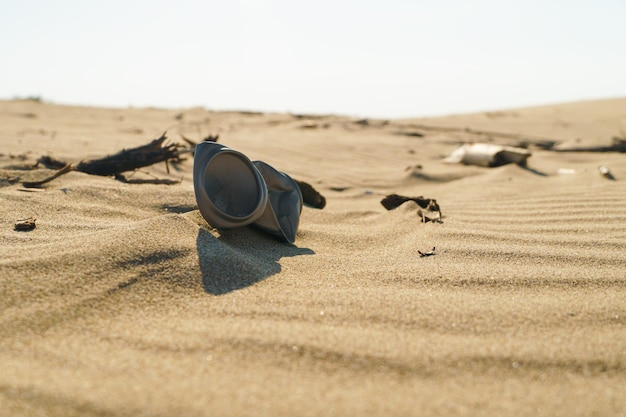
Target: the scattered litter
(429, 210)
(272, 200)
(488, 155)
(605, 172)
(25, 224)
(424, 254)
(566, 171)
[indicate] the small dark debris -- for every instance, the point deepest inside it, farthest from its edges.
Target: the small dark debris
(411, 134)
(25, 224)
(179, 208)
(310, 196)
(208, 138)
(429, 209)
(424, 254)
(211, 138)
(250, 113)
(606, 173)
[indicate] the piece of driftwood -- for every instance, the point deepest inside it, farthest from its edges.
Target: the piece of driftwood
(114, 165)
(429, 210)
(131, 159)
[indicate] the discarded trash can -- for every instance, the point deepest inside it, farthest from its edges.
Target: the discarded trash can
(232, 191)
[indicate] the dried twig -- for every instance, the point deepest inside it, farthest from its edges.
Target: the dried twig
(114, 165)
(193, 143)
(31, 184)
(131, 159)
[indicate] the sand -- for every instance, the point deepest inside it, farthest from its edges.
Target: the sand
(123, 301)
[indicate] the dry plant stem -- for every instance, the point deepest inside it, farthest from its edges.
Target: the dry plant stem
(123, 161)
(130, 159)
(32, 184)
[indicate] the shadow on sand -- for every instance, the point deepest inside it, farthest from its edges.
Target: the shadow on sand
(533, 170)
(239, 258)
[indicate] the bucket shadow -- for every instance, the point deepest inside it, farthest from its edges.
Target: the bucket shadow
(240, 258)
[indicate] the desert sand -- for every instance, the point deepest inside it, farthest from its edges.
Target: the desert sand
(124, 301)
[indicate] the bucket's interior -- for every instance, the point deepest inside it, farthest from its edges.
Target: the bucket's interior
(232, 185)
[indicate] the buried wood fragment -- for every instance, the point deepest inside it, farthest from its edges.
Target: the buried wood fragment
(25, 224)
(488, 155)
(429, 210)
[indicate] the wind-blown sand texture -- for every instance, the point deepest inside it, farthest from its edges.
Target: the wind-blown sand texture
(123, 301)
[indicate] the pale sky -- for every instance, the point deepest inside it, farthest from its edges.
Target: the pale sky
(386, 58)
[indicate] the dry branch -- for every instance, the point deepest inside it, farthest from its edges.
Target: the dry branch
(131, 159)
(123, 161)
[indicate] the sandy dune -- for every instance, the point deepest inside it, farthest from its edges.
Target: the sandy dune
(123, 301)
